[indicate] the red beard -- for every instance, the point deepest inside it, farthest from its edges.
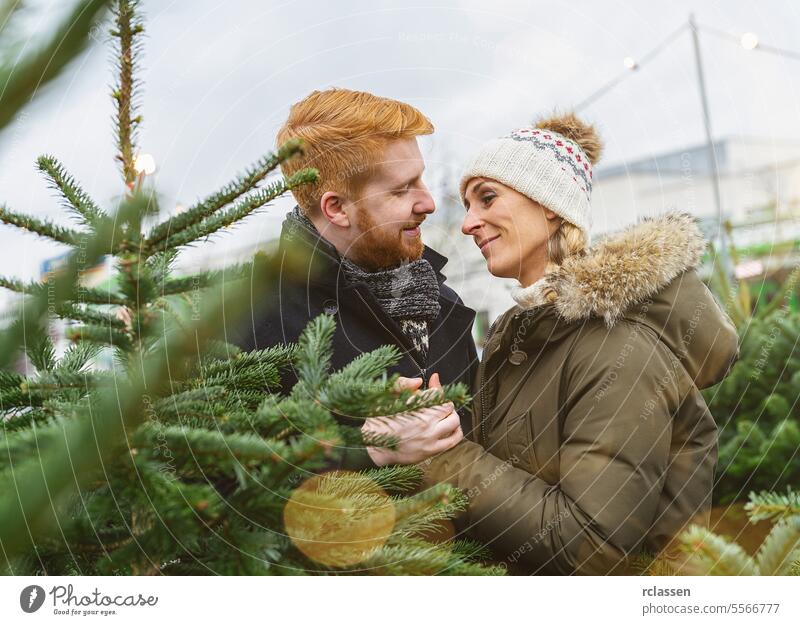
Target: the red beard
(379, 249)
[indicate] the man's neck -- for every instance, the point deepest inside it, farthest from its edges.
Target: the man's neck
(326, 231)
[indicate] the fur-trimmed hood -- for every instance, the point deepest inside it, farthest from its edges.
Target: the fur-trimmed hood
(645, 275)
(622, 270)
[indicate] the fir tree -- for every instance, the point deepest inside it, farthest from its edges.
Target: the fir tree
(183, 458)
(757, 406)
(707, 553)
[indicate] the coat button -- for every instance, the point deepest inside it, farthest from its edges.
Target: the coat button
(330, 307)
(517, 357)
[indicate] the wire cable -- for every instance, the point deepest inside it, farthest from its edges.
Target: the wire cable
(628, 72)
(759, 46)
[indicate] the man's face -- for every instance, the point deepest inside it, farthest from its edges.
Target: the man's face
(390, 208)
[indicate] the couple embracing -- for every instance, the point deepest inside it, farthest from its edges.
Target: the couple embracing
(588, 440)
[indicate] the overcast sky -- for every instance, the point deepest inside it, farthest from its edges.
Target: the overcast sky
(219, 78)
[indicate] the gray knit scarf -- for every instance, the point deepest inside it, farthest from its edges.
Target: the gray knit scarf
(409, 293)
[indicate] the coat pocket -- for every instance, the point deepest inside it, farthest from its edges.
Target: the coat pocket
(519, 443)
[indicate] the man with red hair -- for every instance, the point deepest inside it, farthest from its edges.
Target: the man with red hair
(358, 231)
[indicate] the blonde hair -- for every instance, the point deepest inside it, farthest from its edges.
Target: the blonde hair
(345, 133)
(569, 240)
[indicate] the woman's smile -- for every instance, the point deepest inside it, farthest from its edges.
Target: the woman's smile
(484, 244)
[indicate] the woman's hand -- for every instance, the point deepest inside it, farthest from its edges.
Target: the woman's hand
(421, 434)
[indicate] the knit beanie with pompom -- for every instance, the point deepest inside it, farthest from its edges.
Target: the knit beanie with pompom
(550, 162)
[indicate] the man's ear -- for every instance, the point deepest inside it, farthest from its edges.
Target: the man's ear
(332, 206)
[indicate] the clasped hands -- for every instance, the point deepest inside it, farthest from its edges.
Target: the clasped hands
(420, 434)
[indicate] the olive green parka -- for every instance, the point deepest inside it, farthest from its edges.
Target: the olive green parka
(591, 440)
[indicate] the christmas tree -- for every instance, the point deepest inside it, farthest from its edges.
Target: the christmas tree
(757, 406)
(184, 458)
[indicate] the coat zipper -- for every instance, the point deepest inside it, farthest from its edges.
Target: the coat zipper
(481, 385)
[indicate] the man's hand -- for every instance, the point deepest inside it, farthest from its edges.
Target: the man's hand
(421, 434)
(123, 313)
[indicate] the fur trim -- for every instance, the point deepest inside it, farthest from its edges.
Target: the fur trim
(622, 270)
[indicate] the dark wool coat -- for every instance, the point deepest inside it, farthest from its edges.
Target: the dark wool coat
(592, 440)
(315, 284)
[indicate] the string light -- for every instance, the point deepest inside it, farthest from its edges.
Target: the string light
(145, 164)
(748, 41)
(628, 68)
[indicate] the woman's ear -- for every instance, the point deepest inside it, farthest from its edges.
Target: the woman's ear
(550, 214)
(332, 206)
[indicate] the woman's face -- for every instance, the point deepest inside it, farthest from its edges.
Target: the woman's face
(510, 229)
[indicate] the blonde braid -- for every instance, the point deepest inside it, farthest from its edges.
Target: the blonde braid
(568, 240)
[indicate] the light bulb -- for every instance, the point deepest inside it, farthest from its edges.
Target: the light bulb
(749, 41)
(145, 164)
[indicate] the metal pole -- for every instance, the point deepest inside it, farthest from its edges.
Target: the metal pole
(712, 154)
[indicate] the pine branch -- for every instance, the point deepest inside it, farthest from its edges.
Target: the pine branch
(12, 284)
(161, 265)
(781, 548)
(127, 29)
(96, 296)
(423, 511)
(10, 380)
(369, 366)
(364, 399)
(77, 292)
(100, 334)
(40, 350)
(189, 401)
(45, 228)
(230, 192)
(313, 356)
(241, 209)
(87, 315)
(62, 380)
(279, 419)
(767, 505)
(422, 558)
(22, 78)
(76, 199)
(210, 450)
(395, 478)
(78, 356)
(710, 554)
(384, 441)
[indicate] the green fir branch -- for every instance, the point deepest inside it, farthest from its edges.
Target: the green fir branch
(767, 505)
(75, 198)
(781, 548)
(100, 334)
(241, 209)
(44, 228)
(23, 76)
(127, 30)
(87, 315)
(313, 356)
(242, 184)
